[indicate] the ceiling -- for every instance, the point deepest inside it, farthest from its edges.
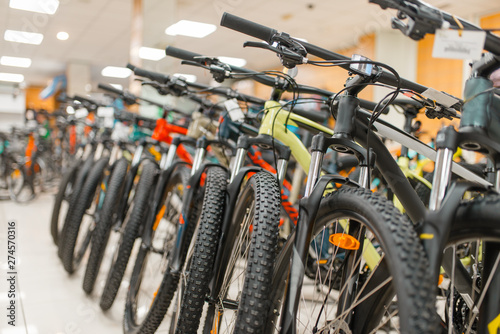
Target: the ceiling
(100, 30)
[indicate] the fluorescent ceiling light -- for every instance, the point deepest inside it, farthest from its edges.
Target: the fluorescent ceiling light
(15, 61)
(240, 62)
(11, 77)
(23, 37)
(151, 53)
(62, 35)
(188, 77)
(38, 6)
(117, 86)
(116, 72)
(191, 29)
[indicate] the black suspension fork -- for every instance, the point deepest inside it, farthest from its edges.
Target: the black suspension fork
(167, 166)
(309, 204)
(137, 158)
(177, 259)
(434, 232)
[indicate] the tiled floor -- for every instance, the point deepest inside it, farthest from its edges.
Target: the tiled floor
(49, 301)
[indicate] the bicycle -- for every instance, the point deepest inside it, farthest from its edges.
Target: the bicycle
(462, 236)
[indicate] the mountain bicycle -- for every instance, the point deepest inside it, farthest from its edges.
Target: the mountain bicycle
(358, 310)
(462, 236)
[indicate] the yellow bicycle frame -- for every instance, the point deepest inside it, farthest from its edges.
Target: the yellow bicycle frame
(274, 123)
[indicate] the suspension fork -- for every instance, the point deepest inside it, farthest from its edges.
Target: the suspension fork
(129, 181)
(181, 241)
(433, 235)
(167, 166)
(308, 208)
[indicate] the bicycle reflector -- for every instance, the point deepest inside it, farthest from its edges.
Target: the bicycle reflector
(344, 241)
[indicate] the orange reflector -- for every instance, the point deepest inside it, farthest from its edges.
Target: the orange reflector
(154, 297)
(322, 261)
(441, 277)
(344, 241)
(158, 217)
(181, 219)
(16, 173)
(202, 179)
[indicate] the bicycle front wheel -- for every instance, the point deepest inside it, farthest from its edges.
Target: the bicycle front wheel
(248, 264)
(153, 284)
(366, 271)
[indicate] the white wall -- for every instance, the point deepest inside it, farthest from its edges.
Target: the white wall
(400, 52)
(12, 108)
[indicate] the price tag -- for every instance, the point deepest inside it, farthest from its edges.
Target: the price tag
(105, 112)
(234, 110)
(81, 113)
(440, 97)
(456, 44)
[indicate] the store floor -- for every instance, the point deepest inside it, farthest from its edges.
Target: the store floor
(48, 300)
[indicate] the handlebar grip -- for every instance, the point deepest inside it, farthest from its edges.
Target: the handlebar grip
(84, 99)
(247, 27)
(130, 66)
(109, 89)
(181, 54)
(158, 77)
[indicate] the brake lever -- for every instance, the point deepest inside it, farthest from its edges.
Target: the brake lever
(161, 89)
(194, 63)
(207, 61)
(261, 45)
(290, 52)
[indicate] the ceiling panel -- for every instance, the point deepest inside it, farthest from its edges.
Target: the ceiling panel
(100, 29)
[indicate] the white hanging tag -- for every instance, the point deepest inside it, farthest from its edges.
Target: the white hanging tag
(234, 110)
(105, 112)
(458, 44)
(81, 113)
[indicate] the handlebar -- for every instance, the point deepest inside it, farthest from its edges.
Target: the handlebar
(257, 76)
(129, 97)
(155, 76)
(88, 103)
(247, 27)
(192, 56)
(110, 89)
(426, 19)
(259, 31)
